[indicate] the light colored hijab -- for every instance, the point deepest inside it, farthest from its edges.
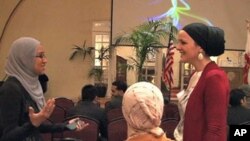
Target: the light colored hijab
(142, 107)
(21, 65)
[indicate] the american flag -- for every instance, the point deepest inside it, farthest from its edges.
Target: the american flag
(247, 56)
(168, 68)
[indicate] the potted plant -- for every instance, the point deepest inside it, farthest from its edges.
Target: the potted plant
(82, 51)
(146, 38)
(96, 71)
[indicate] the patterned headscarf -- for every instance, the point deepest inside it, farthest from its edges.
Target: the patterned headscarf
(142, 108)
(20, 64)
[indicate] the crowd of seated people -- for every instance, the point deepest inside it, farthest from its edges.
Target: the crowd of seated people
(111, 111)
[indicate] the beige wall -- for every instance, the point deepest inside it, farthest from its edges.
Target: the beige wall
(58, 24)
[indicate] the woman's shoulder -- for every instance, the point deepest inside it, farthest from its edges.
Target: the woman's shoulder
(11, 87)
(215, 72)
(12, 82)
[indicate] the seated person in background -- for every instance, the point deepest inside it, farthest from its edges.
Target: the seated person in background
(88, 108)
(238, 113)
(246, 89)
(118, 88)
(142, 107)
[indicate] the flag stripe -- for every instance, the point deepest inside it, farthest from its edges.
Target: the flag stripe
(168, 68)
(247, 57)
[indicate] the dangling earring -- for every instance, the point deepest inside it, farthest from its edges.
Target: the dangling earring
(200, 56)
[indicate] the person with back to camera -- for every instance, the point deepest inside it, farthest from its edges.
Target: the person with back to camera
(22, 104)
(238, 112)
(203, 105)
(142, 107)
(88, 108)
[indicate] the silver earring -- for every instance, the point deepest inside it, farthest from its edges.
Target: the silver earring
(200, 56)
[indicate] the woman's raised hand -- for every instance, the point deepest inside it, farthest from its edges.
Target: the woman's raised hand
(37, 118)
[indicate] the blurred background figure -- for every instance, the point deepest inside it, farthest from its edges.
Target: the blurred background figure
(246, 89)
(238, 112)
(117, 91)
(87, 107)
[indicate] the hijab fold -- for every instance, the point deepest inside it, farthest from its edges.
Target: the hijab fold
(142, 108)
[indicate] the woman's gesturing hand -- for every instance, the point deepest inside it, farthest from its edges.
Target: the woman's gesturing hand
(37, 118)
